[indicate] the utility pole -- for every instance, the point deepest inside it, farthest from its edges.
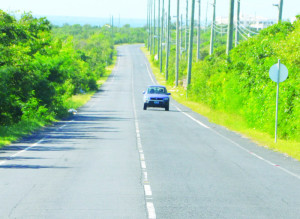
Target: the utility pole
(189, 73)
(181, 34)
(280, 11)
(212, 34)
(148, 23)
(161, 35)
(206, 15)
(151, 38)
(237, 34)
(158, 31)
(154, 30)
(198, 32)
(112, 26)
(230, 27)
(186, 28)
(166, 29)
(168, 41)
(177, 45)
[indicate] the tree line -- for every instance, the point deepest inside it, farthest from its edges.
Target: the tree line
(42, 65)
(39, 71)
(240, 83)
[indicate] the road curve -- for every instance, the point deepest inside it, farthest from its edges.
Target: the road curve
(115, 160)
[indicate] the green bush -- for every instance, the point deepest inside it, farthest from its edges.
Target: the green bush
(242, 85)
(40, 70)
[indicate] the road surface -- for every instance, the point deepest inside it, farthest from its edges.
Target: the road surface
(115, 160)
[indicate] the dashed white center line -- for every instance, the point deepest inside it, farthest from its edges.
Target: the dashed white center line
(151, 210)
(143, 164)
(147, 187)
(148, 191)
(146, 176)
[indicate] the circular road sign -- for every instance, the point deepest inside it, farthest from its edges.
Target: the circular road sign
(274, 71)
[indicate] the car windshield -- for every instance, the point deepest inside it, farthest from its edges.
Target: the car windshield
(157, 90)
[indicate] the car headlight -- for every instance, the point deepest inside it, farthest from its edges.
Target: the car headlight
(166, 98)
(146, 98)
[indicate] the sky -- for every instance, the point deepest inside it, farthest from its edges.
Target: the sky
(138, 8)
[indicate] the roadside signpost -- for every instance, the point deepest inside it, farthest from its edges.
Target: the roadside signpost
(278, 73)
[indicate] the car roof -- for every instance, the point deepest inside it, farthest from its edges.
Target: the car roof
(157, 86)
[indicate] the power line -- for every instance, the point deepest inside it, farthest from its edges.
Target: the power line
(219, 28)
(220, 32)
(221, 25)
(241, 25)
(245, 37)
(243, 31)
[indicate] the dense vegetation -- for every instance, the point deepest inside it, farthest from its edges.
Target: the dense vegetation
(127, 34)
(117, 35)
(241, 85)
(219, 48)
(39, 72)
(43, 66)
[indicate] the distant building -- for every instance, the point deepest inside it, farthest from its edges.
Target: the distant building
(293, 19)
(262, 24)
(255, 22)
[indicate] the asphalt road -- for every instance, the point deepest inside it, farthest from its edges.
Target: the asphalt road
(115, 160)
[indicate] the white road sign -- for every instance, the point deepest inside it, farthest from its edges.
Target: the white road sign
(282, 71)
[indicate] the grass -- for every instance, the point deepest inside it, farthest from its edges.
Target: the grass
(9, 134)
(12, 133)
(79, 100)
(231, 121)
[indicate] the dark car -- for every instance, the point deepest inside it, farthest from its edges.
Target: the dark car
(156, 96)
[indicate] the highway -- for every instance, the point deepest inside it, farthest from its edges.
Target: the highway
(115, 160)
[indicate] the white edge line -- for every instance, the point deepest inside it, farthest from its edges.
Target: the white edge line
(22, 151)
(31, 146)
(92, 105)
(62, 126)
(257, 156)
(149, 73)
(241, 147)
(26, 149)
(192, 118)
